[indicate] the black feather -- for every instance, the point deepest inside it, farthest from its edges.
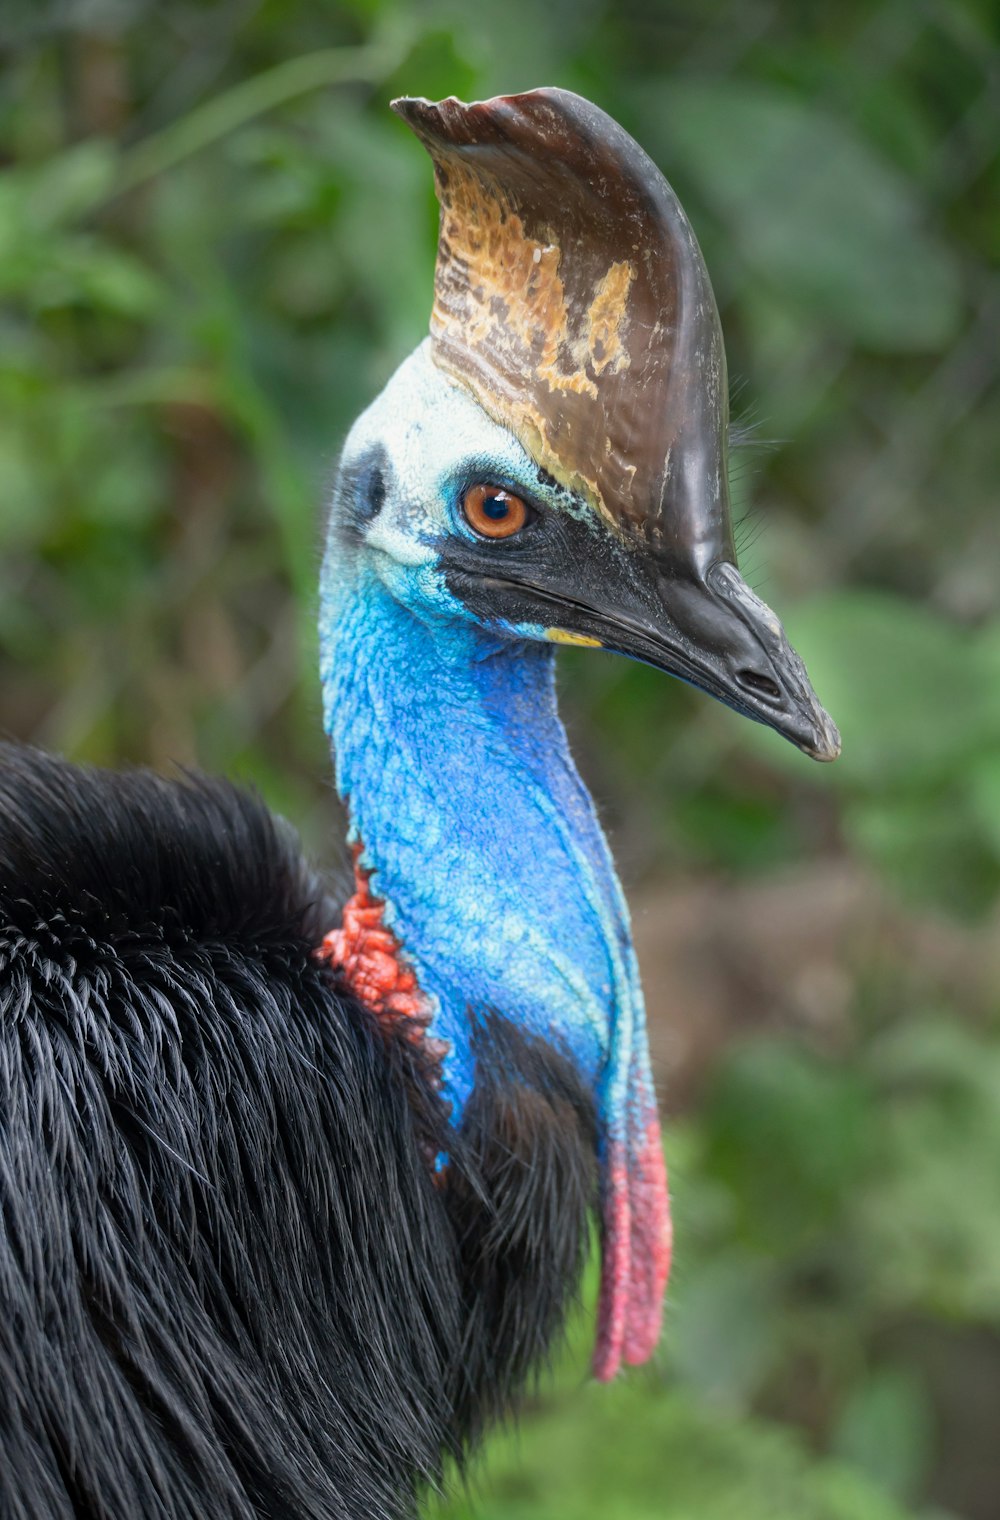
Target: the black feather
(230, 1285)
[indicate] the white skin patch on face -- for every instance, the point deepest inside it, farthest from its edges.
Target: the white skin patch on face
(436, 439)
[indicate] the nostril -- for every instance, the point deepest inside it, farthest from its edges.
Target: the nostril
(760, 686)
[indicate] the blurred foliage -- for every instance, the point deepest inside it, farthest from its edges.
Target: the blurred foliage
(216, 243)
(671, 1462)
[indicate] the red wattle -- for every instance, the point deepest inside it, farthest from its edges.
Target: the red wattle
(652, 1241)
(368, 958)
(616, 1248)
(635, 1258)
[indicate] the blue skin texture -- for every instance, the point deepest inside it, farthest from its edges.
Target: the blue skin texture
(454, 766)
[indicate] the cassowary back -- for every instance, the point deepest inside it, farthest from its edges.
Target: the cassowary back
(232, 1284)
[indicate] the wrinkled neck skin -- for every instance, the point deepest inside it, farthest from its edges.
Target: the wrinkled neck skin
(485, 848)
(477, 829)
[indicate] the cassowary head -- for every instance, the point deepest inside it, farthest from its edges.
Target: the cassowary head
(552, 464)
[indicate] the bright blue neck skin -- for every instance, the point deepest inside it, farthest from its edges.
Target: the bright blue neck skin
(479, 833)
(450, 756)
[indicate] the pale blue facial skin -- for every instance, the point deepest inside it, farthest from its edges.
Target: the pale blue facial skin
(454, 766)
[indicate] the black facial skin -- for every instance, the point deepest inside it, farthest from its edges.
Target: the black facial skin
(579, 574)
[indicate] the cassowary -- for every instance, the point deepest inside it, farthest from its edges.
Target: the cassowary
(294, 1195)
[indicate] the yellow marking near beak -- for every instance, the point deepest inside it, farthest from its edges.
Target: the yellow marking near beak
(563, 636)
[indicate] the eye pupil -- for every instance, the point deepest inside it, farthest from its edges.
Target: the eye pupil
(492, 512)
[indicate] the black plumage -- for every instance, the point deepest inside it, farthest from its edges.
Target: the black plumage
(223, 1294)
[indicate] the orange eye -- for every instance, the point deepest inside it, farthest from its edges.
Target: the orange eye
(494, 513)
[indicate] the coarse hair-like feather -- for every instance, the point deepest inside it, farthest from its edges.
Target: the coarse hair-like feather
(230, 1284)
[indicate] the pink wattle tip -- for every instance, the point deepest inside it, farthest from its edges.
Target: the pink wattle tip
(636, 1247)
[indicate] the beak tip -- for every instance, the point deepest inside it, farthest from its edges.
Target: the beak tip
(826, 746)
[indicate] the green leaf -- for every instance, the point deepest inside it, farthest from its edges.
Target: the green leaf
(910, 690)
(929, 1217)
(788, 1132)
(87, 272)
(985, 787)
(69, 185)
(930, 846)
(884, 1430)
(724, 1330)
(811, 209)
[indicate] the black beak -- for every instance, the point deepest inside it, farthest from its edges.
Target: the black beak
(719, 636)
(709, 628)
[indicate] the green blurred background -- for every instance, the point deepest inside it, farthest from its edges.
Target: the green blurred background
(215, 244)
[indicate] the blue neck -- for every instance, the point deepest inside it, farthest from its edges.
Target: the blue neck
(479, 833)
